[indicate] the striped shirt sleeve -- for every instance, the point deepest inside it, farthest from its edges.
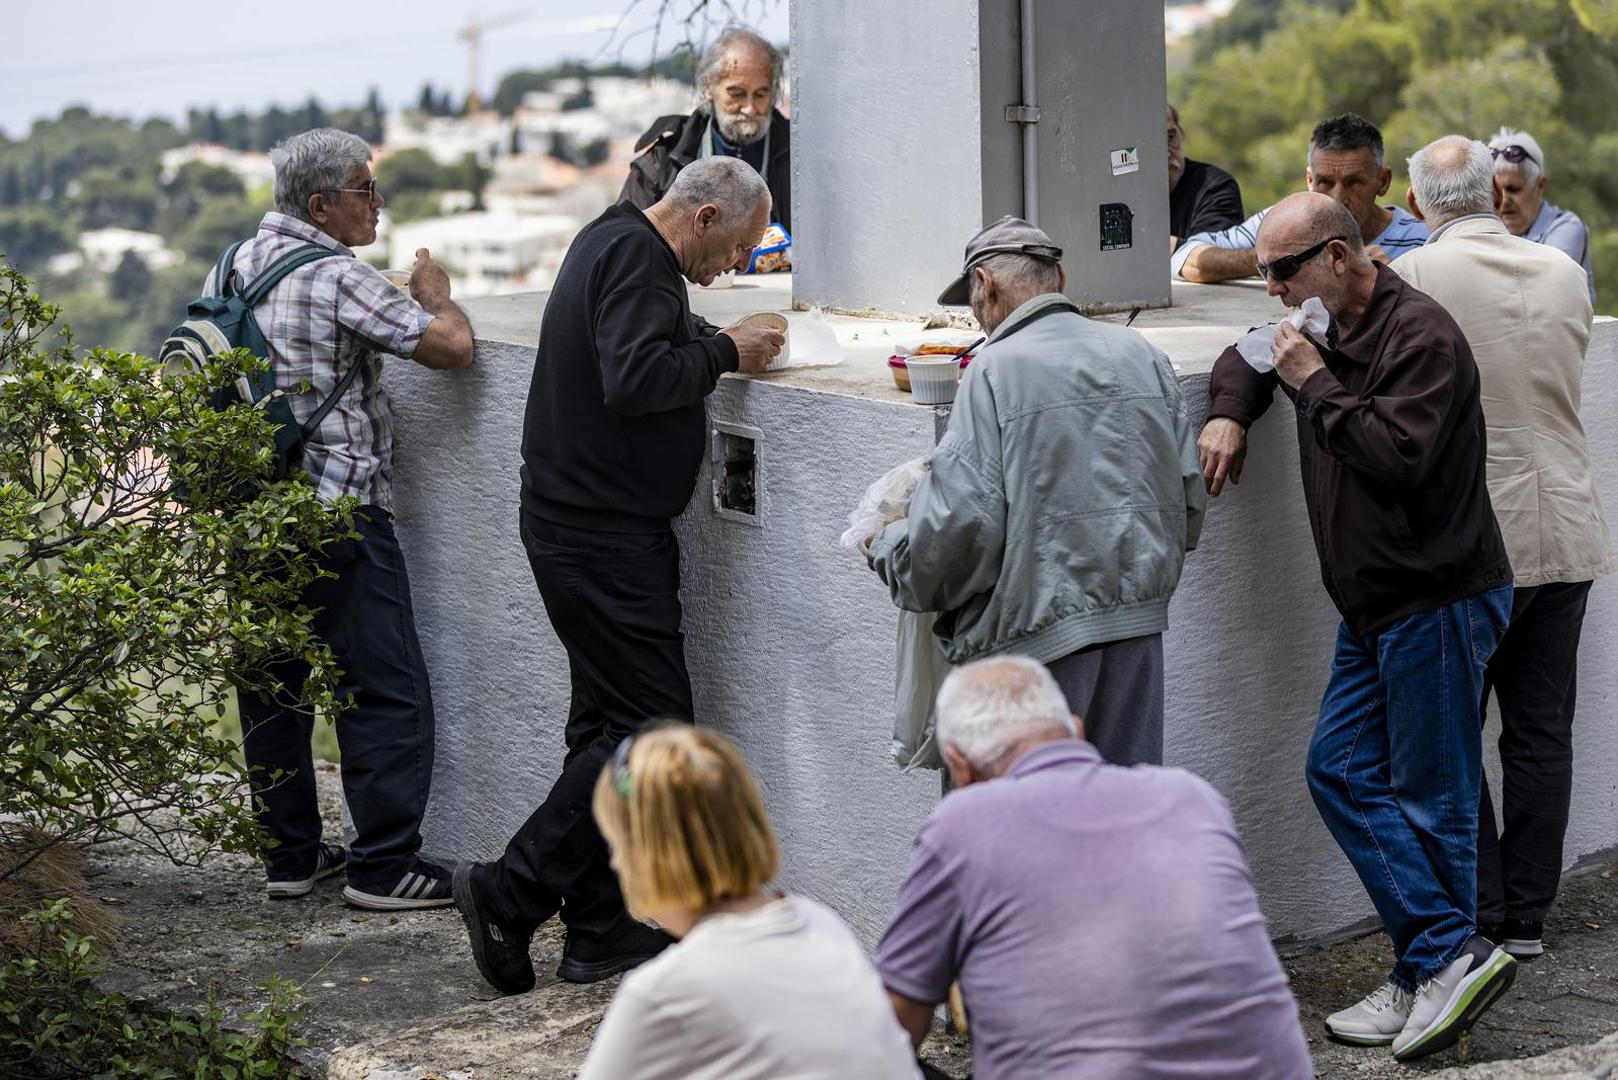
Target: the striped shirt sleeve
(1244, 235)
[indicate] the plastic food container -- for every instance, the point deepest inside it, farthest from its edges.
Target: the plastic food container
(775, 321)
(401, 278)
(933, 378)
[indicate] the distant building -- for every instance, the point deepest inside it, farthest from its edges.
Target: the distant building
(449, 139)
(104, 249)
(488, 253)
(1183, 20)
(252, 169)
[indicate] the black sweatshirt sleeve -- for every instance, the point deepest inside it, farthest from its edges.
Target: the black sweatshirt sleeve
(636, 325)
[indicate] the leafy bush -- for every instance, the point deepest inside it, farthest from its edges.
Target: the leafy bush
(55, 1023)
(127, 615)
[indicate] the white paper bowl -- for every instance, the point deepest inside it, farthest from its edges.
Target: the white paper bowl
(933, 379)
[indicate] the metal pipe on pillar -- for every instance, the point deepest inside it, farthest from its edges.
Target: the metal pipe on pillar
(1030, 116)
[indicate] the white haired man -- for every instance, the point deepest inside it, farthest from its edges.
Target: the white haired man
(1101, 920)
(1519, 199)
(1513, 298)
(612, 440)
(329, 324)
(1018, 550)
(739, 79)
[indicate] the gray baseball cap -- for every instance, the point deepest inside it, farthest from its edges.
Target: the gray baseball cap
(1008, 236)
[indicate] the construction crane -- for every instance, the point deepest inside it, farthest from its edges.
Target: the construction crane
(472, 34)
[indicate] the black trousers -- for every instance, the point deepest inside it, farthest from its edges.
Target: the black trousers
(386, 735)
(1534, 675)
(614, 601)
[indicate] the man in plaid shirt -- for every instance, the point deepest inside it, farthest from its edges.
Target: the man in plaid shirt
(326, 318)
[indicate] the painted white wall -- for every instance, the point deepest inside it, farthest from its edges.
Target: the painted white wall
(790, 639)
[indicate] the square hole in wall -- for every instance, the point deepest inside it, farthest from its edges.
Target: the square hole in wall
(736, 495)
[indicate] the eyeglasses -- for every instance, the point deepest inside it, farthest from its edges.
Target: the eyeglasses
(369, 190)
(620, 767)
(1287, 265)
(1512, 153)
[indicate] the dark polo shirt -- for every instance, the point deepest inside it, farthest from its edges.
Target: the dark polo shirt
(1392, 447)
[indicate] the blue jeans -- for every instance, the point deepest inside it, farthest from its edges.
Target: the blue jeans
(1395, 768)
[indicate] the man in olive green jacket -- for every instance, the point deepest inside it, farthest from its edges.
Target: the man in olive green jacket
(1059, 506)
(1525, 311)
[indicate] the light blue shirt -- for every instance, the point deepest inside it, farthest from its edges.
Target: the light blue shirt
(1404, 233)
(1565, 231)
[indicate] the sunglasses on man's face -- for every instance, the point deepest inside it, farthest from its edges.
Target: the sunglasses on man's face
(1288, 265)
(1513, 153)
(368, 190)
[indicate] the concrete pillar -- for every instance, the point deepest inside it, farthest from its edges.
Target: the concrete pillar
(902, 147)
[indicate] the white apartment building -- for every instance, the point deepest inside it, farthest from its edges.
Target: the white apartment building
(252, 169)
(489, 253)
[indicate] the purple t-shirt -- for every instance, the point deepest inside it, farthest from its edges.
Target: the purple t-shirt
(1102, 923)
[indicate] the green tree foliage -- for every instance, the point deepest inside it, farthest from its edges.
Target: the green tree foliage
(32, 234)
(56, 1024)
(1268, 72)
(128, 611)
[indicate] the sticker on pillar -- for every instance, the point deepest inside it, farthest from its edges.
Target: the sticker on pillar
(1126, 160)
(1117, 226)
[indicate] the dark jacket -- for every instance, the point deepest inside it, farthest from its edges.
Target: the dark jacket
(676, 141)
(615, 427)
(1391, 442)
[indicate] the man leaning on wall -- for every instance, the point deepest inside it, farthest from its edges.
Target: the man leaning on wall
(1020, 549)
(613, 437)
(1522, 308)
(1391, 441)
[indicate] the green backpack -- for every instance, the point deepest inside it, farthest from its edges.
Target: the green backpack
(218, 323)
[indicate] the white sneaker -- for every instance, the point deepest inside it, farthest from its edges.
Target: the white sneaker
(1448, 1004)
(1374, 1021)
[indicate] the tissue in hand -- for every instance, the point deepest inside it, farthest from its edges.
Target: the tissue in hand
(1256, 346)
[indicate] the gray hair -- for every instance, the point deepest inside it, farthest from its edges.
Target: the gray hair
(726, 182)
(1452, 177)
(713, 60)
(1020, 276)
(318, 160)
(1532, 167)
(987, 708)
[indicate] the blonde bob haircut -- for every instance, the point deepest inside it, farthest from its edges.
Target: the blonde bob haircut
(685, 822)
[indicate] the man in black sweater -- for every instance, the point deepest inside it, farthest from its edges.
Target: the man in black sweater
(1202, 197)
(612, 442)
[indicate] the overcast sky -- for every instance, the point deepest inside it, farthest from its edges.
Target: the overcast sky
(161, 56)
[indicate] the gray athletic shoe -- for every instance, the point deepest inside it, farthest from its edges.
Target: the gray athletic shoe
(1375, 1020)
(329, 859)
(1448, 1004)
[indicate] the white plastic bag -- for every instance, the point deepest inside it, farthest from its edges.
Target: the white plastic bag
(884, 502)
(810, 343)
(1255, 345)
(919, 670)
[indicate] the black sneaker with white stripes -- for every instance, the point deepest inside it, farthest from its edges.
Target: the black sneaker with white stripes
(426, 885)
(329, 859)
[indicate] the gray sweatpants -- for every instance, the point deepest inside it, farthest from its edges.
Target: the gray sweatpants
(1116, 689)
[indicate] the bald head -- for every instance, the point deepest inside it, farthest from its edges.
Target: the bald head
(1450, 178)
(1307, 218)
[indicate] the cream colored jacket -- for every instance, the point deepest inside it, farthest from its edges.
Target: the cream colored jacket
(1525, 310)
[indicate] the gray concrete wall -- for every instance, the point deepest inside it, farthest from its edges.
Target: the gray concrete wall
(790, 639)
(890, 194)
(1100, 75)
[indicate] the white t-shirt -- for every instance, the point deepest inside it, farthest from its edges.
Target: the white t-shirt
(781, 991)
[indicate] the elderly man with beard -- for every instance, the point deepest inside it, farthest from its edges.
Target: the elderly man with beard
(1391, 443)
(740, 80)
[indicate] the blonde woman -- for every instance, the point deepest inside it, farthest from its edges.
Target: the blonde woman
(759, 984)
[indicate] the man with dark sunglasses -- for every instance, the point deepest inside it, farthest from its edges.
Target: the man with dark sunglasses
(1345, 162)
(1391, 442)
(1519, 199)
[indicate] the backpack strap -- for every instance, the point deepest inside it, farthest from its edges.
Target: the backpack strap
(224, 268)
(326, 406)
(259, 287)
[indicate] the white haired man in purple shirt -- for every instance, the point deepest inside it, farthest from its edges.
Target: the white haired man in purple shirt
(1101, 920)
